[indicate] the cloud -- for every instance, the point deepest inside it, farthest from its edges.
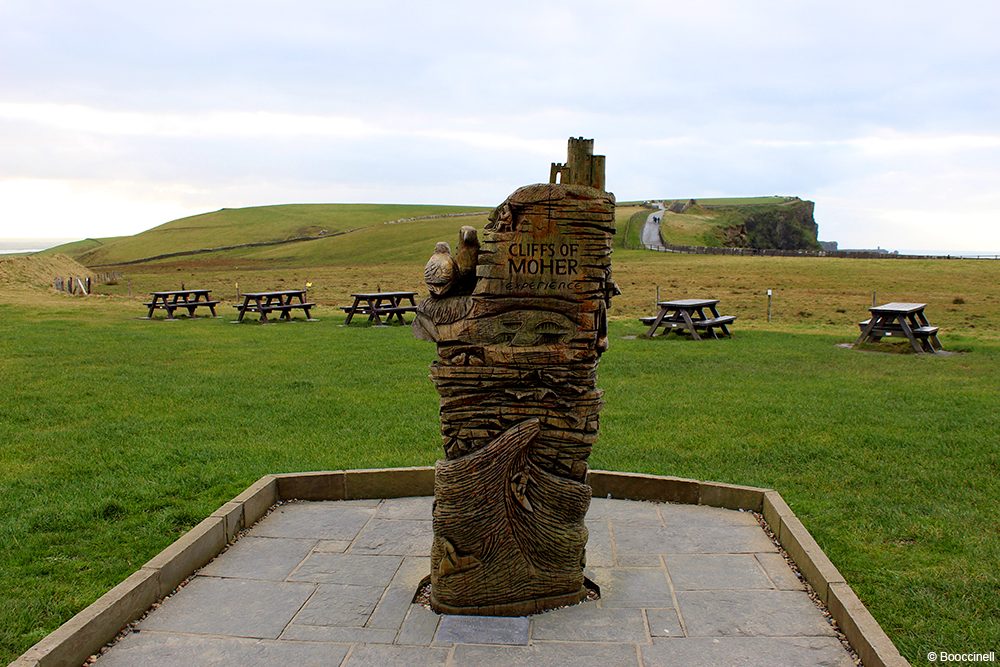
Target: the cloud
(893, 144)
(80, 118)
(83, 209)
(866, 108)
(905, 145)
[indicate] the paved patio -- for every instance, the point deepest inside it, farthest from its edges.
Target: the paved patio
(332, 583)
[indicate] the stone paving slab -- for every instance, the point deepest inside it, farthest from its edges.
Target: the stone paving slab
(231, 607)
(747, 652)
(512, 630)
(599, 553)
(341, 605)
(415, 509)
(315, 521)
(402, 537)
(750, 613)
(778, 572)
(541, 654)
(591, 623)
(261, 558)
(664, 623)
(355, 569)
(419, 626)
(691, 539)
(333, 583)
(369, 655)
(165, 649)
(693, 572)
(637, 588)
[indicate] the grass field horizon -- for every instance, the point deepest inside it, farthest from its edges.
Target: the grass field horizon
(254, 224)
(120, 433)
(277, 223)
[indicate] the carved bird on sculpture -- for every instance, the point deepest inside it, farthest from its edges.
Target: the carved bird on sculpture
(441, 271)
(466, 259)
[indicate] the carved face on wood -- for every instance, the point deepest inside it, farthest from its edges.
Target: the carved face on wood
(531, 328)
(502, 219)
(526, 328)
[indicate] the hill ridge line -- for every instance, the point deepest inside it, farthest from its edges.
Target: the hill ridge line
(294, 239)
(201, 251)
(431, 217)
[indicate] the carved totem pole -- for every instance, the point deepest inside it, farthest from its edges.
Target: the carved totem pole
(520, 323)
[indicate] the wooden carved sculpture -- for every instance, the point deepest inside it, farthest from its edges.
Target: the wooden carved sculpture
(518, 343)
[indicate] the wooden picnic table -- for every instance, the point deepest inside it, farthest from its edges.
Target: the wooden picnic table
(283, 301)
(191, 299)
(377, 304)
(688, 316)
(900, 319)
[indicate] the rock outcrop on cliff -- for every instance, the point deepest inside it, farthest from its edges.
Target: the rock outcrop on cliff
(787, 226)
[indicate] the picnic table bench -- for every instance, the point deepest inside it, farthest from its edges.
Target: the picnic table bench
(283, 301)
(900, 319)
(377, 305)
(689, 316)
(189, 299)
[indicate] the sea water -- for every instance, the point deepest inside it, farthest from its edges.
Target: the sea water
(14, 246)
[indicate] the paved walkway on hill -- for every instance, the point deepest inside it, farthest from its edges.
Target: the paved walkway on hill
(651, 230)
(331, 583)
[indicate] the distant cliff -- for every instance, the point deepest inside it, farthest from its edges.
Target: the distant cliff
(787, 226)
(759, 223)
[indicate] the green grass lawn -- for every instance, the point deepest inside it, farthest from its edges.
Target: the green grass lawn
(119, 434)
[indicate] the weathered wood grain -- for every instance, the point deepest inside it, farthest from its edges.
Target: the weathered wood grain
(520, 409)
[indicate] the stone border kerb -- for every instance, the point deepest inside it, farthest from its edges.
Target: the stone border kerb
(84, 634)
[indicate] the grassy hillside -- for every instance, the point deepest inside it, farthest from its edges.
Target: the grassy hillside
(313, 228)
(697, 227)
(629, 221)
(305, 235)
(37, 270)
(77, 249)
(228, 227)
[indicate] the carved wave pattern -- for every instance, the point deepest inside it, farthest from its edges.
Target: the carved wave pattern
(528, 545)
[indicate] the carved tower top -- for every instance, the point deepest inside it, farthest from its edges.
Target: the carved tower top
(582, 167)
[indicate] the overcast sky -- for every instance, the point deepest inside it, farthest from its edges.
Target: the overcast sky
(116, 116)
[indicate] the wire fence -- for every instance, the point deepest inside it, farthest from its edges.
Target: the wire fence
(771, 252)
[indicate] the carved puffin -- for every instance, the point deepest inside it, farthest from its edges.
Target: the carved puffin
(441, 271)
